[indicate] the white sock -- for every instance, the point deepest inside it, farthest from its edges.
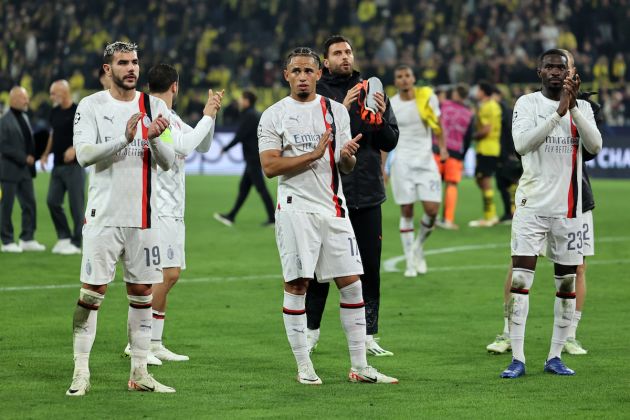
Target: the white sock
(522, 281)
(352, 314)
(574, 324)
(406, 237)
(294, 314)
(563, 311)
(506, 320)
(369, 338)
(157, 326)
(139, 322)
(84, 327)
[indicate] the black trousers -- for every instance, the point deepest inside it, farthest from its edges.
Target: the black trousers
(253, 176)
(367, 224)
(70, 178)
(507, 176)
(25, 193)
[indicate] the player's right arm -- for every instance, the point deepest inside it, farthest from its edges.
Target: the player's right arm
(274, 164)
(527, 135)
(270, 150)
(85, 136)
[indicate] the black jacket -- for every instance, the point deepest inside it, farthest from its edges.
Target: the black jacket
(247, 133)
(588, 201)
(16, 143)
(363, 187)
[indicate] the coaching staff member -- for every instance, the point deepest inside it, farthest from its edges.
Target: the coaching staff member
(363, 188)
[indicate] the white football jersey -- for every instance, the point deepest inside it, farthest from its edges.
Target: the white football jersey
(121, 187)
(172, 183)
(296, 128)
(415, 140)
(551, 184)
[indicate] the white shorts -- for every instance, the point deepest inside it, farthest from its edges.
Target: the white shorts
(173, 241)
(561, 236)
(412, 184)
(311, 243)
(138, 248)
(588, 236)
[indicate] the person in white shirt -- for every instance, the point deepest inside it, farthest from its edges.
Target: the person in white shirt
(171, 191)
(414, 173)
(305, 140)
(117, 135)
(549, 129)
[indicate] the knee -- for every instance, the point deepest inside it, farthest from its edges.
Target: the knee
(522, 281)
(432, 209)
(565, 285)
(406, 210)
(139, 289)
(581, 270)
(171, 276)
(51, 202)
(296, 287)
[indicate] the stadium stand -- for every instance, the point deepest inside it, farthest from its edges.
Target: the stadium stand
(238, 44)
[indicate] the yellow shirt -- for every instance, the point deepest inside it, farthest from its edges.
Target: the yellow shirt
(489, 113)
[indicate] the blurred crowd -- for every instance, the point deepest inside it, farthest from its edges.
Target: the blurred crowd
(238, 44)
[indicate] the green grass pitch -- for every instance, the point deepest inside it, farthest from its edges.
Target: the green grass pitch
(226, 315)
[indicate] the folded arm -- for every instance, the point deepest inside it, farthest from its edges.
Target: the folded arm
(589, 134)
(89, 154)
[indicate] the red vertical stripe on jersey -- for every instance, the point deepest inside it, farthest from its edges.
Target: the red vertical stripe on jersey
(146, 168)
(334, 183)
(573, 186)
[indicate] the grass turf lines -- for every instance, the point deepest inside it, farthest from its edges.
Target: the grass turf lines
(226, 315)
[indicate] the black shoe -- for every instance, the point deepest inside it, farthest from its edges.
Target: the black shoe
(223, 218)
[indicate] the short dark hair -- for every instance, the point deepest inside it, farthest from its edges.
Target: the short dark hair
(552, 51)
(118, 46)
(462, 90)
(303, 52)
(161, 77)
(250, 96)
(334, 39)
(101, 72)
(404, 67)
(486, 87)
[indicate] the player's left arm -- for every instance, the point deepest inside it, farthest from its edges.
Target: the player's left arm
(585, 123)
(161, 148)
(583, 117)
(198, 138)
(213, 104)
